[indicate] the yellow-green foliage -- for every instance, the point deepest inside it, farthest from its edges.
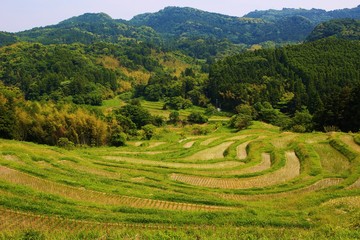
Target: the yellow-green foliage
(357, 138)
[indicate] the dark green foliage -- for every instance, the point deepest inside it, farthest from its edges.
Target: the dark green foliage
(65, 143)
(321, 75)
(137, 114)
(118, 138)
(32, 235)
(266, 113)
(192, 23)
(339, 28)
(302, 122)
(71, 72)
(89, 28)
(240, 121)
(174, 117)
(177, 103)
(125, 123)
(158, 121)
(8, 98)
(203, 34)
(149, 131)
(54, 72)
(7, 38)
(314, 15)
(196, 117)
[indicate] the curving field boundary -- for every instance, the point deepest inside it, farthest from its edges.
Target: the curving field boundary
(265, 164)
(189, 144)
(288, 172)
(80, 194)
(349, 140)
(241, 150)
(216, 152)
(227, 164)
(319, 185)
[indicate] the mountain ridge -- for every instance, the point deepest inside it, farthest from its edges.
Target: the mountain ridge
(182, 28)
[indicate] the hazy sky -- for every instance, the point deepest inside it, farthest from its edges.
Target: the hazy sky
(17, 15)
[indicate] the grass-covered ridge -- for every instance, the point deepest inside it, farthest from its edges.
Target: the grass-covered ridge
(164, 188)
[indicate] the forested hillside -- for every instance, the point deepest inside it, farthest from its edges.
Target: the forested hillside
(174, 22)
(339, 28)
(85, 60)
(287, 25)
(90, 28)
(47, 90)
(197, 33)
(322, 76)
(316, 16)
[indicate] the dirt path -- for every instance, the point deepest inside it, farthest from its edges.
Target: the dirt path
(241, 150)
(355, 185)
(208, 141)
(216, 152)
(189, 144)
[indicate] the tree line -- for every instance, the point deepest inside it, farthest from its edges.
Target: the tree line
(321, 76)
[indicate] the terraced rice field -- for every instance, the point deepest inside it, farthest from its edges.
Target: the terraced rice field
(257, 177)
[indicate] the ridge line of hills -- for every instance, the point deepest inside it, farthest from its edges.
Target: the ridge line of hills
(181, 24)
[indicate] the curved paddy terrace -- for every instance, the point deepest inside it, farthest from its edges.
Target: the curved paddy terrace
(259, 176)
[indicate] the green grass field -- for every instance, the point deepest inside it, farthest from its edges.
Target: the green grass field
(259, 183)
(156, 109)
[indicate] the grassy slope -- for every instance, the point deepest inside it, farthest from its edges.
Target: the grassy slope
(54, 190)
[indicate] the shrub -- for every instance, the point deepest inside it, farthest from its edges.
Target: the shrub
(240, 121)
(118, 139)
(174, 117)
(196, 117)
(65, 143)
(149, 131)
(177, 103)
(158, 121)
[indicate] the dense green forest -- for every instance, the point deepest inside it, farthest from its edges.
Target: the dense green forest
(287, 25)
(49, 75)
(174, 22)
(89, 28)
(339, 28)
(314, 15)
(322, 76)
(48, 92)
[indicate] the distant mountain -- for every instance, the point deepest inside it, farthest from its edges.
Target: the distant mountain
(89, 28)
(316, 16)
(7, 38)
(287, 25)
(197, 33)
(176, 22)
(339, 28)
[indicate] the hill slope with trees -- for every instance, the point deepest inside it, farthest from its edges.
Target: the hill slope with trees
(322, 76)
(339, 28)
